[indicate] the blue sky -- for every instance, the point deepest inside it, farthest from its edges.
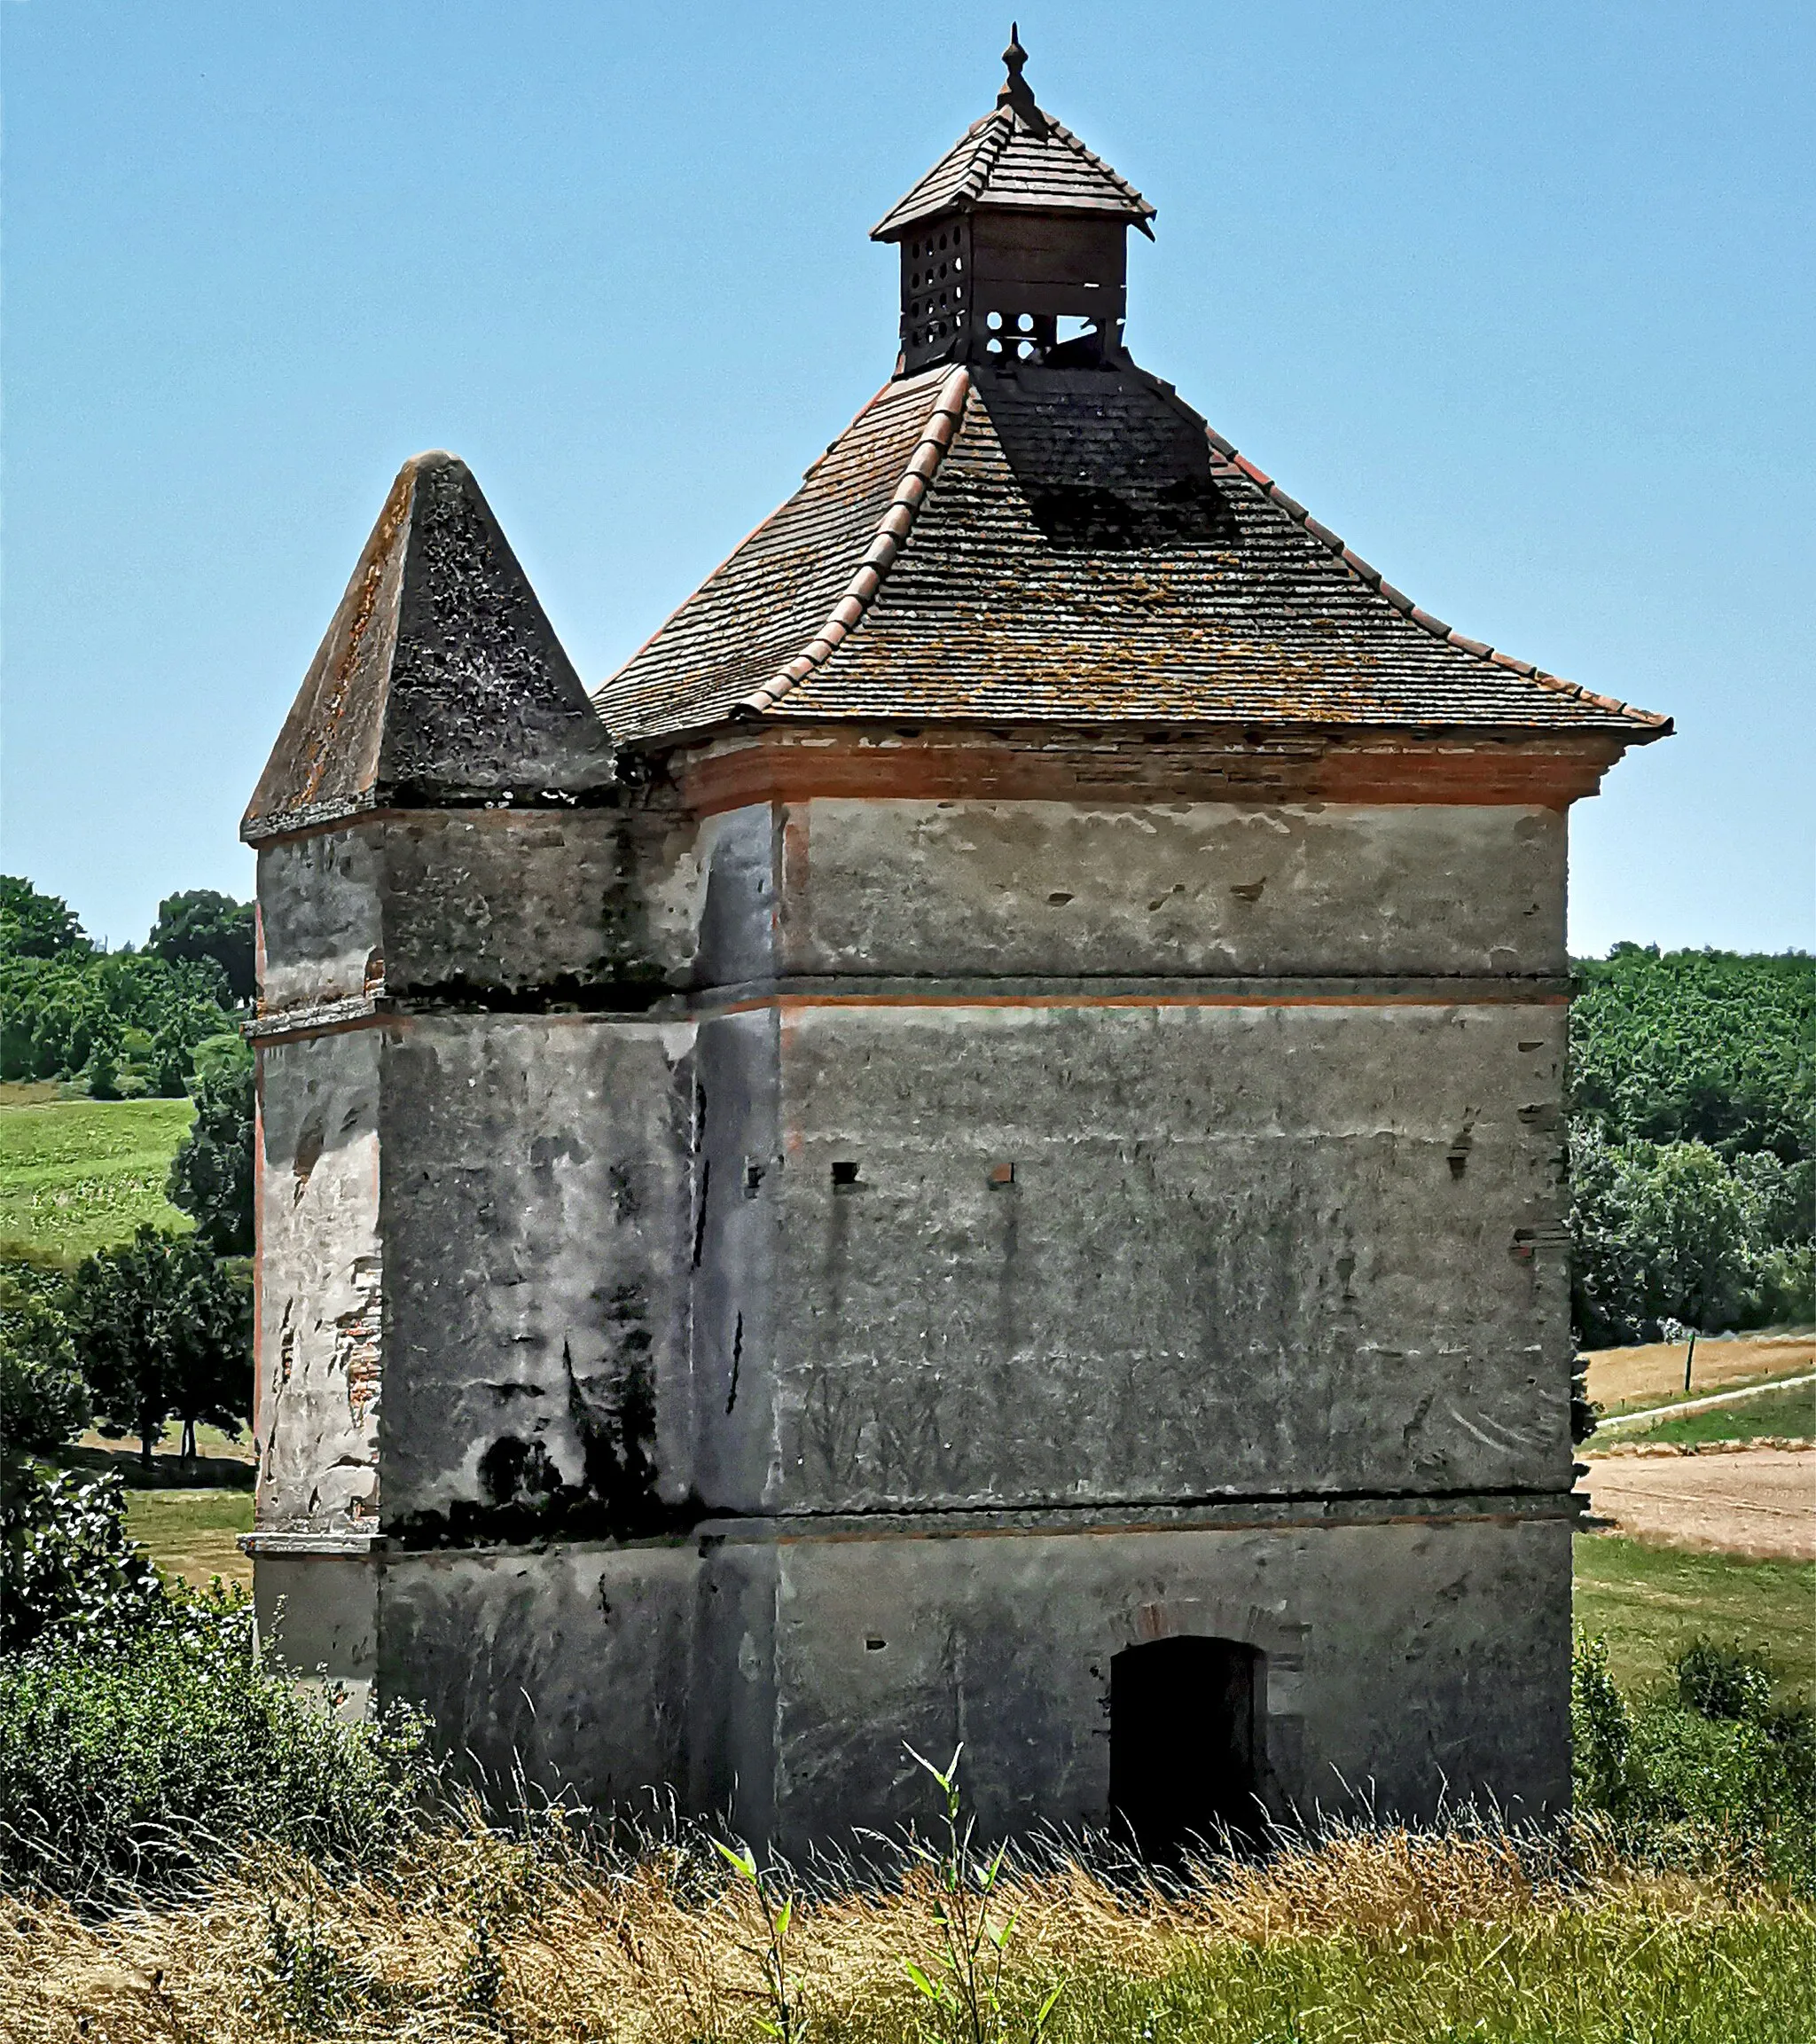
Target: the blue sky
(1518, 300)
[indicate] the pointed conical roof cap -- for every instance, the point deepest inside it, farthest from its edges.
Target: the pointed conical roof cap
(441, 681)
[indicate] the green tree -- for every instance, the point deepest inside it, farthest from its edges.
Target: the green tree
(67, 1566)
(211, 1175)
(43, 1400)
(1687, 1221)
(1715, 1047)
(34, 925)
(204, 925)
(163, 1330)
(1660, 1231)
(56, 1013)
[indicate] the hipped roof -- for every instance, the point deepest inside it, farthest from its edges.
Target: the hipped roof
(1017, 158)
(1065, 547)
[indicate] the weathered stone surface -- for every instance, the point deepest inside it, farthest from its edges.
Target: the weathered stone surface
(594, 906)
(585, 904)
(441, 679)
(1246, 1249)
(318, 1613)
(572, 1662)
(1414, 1662)
(321, 1284)
(990, 1236)
(321, 918)
(883, 887)
(535, 1216)
(779, 1681)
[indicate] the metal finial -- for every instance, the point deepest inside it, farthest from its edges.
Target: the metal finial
(1016, 94)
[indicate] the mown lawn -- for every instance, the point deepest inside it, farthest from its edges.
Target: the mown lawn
(1648, 1602)
(77, 1175)
(192, 1533)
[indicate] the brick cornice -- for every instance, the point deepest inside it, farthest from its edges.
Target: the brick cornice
(1468, 769)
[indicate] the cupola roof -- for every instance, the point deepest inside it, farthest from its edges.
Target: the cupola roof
(1016, 157)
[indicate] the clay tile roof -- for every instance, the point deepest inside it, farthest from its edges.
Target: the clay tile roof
(1009, 159)
(440, 681)
(1068, 546)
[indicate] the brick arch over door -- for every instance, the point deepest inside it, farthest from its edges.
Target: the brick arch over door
(1282, 1645)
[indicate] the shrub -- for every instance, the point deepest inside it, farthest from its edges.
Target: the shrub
(1602, 1729)
(1707, 1773)
(1723, 1681)
(68, 1573)
(170, 1746)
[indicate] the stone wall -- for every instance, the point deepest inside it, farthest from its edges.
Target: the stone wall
(838, 1273)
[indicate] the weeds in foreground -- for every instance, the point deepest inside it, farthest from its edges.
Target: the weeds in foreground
(775, 1901)
(965, 1982)
(1678, 1907)
(1708, 1773)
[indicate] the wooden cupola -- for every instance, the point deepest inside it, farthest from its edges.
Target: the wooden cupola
(1015, 229)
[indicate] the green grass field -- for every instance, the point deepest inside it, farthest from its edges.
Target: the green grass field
(1648, 1602)
(1773, 1415)
(191, 1533)
(77, 1175)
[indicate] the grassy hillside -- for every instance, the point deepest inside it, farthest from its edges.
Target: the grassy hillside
(76, 1175)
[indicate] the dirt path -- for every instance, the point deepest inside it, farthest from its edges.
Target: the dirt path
(1760, 1502)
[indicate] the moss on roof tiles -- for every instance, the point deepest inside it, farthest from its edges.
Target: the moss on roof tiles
(1087, 553)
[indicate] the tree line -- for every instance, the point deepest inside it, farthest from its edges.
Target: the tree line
(125, 1021)
(1693, 1142)
(158, 1328)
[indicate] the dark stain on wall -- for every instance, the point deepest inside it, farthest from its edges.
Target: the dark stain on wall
(612, 1412)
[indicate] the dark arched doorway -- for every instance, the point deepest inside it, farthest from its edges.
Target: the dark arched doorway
(1186, 1755)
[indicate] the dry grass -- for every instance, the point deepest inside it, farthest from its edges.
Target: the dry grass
(1626, 1380)
(483, 1936)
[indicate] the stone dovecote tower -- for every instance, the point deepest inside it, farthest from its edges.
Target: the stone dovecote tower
(973, 1148)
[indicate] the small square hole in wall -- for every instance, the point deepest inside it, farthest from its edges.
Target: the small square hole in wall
(845, 1175)
(753, 1176)
(1002, 1174)
(872, 1645)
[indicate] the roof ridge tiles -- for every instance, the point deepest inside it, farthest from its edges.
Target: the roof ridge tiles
(762, 526)
(1364, 573)
(891, 535)
(999, 135)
